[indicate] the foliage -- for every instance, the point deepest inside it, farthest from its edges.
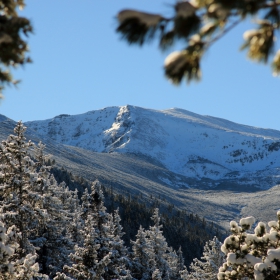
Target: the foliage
(181, 229)
(208, 267)
(198, 24)
(140, 255)
(12, 267)
(13, 46)
(252, 255)
(20, 204)
(32, 202)
(101, 254)
(86, 264)
(21, 208)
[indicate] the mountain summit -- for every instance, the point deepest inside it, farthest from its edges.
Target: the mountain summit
(185, 143)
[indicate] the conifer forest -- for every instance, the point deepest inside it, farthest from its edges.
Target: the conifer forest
(50, 230)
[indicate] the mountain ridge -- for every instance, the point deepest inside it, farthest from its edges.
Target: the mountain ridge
(184, 142)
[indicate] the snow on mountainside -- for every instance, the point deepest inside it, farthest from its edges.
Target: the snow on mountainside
(186, 143)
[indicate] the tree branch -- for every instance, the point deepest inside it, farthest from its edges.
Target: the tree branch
(225, 31)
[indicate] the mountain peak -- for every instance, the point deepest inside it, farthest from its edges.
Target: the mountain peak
(184, 142)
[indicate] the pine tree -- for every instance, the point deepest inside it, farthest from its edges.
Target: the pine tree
(11, 265)
(252, 255)
(53, 237)
(140, 256)
(181, 261)
(87, 204)
(176, 263)
(208, 266)
(20, 204)
(32, 201)
(86, 265)
(108, 229)
(160, 254)
(119, 261)
(76, 224)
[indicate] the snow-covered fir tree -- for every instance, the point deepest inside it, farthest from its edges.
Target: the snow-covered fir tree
(252, 255)
(160, 253)
(181, 260)
(208, 267)
(55, 246)
(93, 205)
(107, 230)
(76, 224)
(141, 268)
(61, 206)
(119, 261)
(20, 204)
(176, 263)
(11, 265)
(86, 265)
(55, 238)
(152, 257)
(32, 201)
(159, 248)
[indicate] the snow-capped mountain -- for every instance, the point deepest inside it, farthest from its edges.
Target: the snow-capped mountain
(204, 165)
(194, 146)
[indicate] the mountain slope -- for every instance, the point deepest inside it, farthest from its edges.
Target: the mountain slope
(188, 144)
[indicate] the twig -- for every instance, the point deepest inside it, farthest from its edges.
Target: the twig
(225, 31)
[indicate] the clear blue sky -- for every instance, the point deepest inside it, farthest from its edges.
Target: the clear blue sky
(80, 64)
